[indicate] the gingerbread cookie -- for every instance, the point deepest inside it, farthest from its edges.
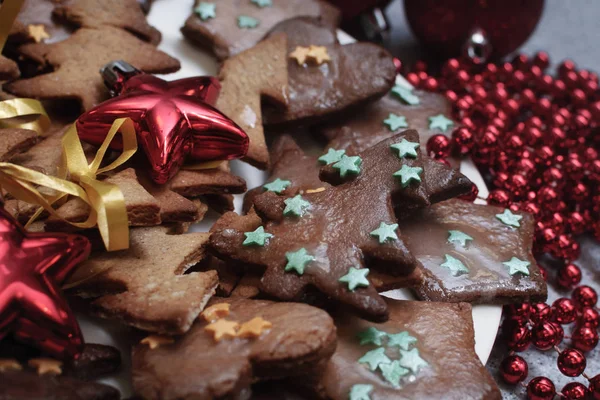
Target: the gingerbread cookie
(234, 343)
(400, 109)
(124, 14)
(228, 27)
(291, 172)
(77, 59)
(37, 23)
(146, 286)
(8, 69)
(245, 79)
(331, 239)
(424, 351)
(326, 78)
(474, 253)
(15, 141)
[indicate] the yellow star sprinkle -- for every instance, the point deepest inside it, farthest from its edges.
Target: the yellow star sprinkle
(318, 53)
(300, 54)
(155, 341)
(46, 366)
(9, 364)
(216, 311)
(222, 328)
(254, 328)
(38, 32)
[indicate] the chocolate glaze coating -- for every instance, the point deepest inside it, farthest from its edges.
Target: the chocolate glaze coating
(364, 129)
(358, 73)
(301, 340)
(488, 280)
(336, 229)
(28, 385)
(445, 340)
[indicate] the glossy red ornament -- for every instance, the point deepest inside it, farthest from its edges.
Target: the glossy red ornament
(439, 146)
(565, 310)
(489, 29)
(568, 276)
(499, 197)
(514, 369)
(589, 316)
(32, 307)
(463, 141)
(545, 335)
(575, 391)
(584, 337)
(571, 362)
(472, 196)
(594, 387)
(584, 296)
(540, 388)
(173, 120)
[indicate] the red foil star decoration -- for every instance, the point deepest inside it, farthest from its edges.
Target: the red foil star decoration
(173, 120)
(32, 268)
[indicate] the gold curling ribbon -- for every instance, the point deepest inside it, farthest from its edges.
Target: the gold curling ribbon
(12, 111)
(105, 199)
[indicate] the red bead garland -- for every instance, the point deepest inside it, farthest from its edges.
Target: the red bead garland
(534, 137)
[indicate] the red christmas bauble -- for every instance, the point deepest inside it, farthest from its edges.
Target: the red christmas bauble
(462, 141)
(540, 388)
(574, 391)
(514, 369)
(518, 335)
(589, 316)
(499, 197)
(584, 296)
(594, 387)
(545, 335)
(571, 362)
(565, 311)
(569, 275)
(584, 337)
(522, 310)
(445, 27)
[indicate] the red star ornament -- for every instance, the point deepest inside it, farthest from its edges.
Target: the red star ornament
(173, 120)
(32, 268)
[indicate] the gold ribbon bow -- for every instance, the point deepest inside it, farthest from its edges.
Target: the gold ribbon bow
(105, 199)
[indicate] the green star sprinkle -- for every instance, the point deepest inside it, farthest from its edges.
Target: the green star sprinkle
(406, 95)
(277, 186)
(262, 3)
(516, 266)
(332, 156)
(408, 174)
(257, 238)
(393, 372)
(297, 261)
(385, 232)
(355, 278)
(348, 165)
(440, 122)
(206, 10)
(374, 358)
(245, 21)
(295, 206)
(455, 266)
(360, 392)
(371, 335)
(510, 219)
(458, 237)
(401, 339)
(406, 148)
(394, 122)
(412, 360)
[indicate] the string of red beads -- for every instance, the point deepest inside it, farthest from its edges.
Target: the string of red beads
(534, 137)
